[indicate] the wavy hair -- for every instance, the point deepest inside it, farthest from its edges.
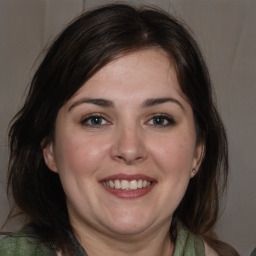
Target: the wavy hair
(89, 43)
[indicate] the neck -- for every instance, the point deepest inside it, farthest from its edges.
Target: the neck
(151, 243)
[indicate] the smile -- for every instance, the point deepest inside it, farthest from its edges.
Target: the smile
(127, 185)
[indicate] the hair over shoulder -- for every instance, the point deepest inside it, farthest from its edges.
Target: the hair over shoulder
(90, 42)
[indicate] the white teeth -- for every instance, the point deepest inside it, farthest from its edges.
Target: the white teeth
(111, 184)
(144, 183)
(139, 184)
(133, 184)
(127, 185)
(117, 184)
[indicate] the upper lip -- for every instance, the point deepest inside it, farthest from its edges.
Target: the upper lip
(128, 177)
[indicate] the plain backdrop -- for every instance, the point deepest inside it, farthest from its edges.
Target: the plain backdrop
(226, 32)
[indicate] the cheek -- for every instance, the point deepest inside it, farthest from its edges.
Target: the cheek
(79, 155)
(173, 154)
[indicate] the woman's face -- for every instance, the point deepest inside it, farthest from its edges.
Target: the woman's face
(125, 146)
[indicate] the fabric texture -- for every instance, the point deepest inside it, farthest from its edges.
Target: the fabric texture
(25, 243)
(188, 244)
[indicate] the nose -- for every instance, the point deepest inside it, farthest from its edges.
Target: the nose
(129, 147)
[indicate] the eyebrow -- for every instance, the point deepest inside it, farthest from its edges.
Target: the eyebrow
(98, 102)
(157, 101)
(107, 103)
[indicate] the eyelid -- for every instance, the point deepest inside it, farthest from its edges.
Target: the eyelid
(84, 119)
(167, 117)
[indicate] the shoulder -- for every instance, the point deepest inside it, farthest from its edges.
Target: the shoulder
(191, 243)
(209, 251)
(24, 243)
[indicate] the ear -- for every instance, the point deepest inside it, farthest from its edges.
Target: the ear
(49, 156)
(197, 158)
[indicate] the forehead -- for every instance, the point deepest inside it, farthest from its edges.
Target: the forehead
(149, 69)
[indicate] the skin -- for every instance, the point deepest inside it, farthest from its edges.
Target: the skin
(130, 138)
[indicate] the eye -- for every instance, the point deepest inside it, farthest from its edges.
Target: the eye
(94, 121)
(161, 121)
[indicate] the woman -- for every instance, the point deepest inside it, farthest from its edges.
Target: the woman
(119, 149)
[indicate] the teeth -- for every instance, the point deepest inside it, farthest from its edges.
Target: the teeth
(117, 184)
(111, 184)
(139, 184)
(133, 184)
(144, 183)
(127, 185)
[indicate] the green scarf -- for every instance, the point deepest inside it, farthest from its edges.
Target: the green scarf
(24, 243)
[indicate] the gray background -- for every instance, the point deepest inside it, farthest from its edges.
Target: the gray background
(226, 32)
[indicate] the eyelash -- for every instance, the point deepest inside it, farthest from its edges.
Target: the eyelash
(163, 118)
(85, 121)
(165, 121)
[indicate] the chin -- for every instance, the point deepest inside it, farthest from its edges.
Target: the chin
(129, 224)
(128, 229)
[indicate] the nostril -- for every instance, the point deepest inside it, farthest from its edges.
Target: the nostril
(129, 148)
(129, 159)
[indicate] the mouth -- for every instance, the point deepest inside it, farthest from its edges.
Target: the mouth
(128, 186)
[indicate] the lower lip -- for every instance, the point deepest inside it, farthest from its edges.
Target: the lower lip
(129, 194)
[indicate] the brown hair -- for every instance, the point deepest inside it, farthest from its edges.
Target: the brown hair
(86, 45)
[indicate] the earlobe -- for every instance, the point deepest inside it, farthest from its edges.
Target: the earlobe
(198, 157)
(193, 173)
(49, 157)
